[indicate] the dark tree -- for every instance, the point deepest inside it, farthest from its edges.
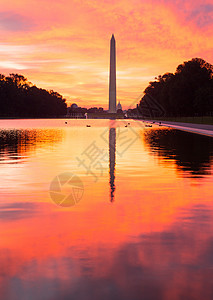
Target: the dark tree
(187, 92)
(19, 98)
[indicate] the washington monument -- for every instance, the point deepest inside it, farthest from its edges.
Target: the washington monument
(112, 77)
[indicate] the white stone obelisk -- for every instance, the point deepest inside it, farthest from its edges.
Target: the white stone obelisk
(112, 77)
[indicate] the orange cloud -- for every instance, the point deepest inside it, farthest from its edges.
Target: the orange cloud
(65, 46)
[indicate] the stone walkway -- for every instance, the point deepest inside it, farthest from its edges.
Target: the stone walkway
(203, 129)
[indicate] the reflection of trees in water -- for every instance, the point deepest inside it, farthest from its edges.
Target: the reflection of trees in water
(15, 143)
(191, 152)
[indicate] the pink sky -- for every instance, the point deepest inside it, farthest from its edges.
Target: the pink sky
(64, 45)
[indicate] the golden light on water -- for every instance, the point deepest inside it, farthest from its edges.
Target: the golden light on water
(158, 210)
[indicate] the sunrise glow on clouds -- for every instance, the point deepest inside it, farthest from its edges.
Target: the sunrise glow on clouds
(64, 45)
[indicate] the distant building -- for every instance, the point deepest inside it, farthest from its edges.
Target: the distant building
(73, 106)
(74, 111)
(119, 106)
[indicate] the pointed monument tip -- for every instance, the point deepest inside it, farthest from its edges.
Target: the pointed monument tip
(113, 36)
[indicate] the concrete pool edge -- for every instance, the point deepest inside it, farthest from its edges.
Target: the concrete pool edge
(202, 129)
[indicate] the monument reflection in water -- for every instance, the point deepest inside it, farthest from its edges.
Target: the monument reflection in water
(112, 161)
(155, 241)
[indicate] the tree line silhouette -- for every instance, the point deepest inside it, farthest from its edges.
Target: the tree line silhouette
(20, 98)
(187, 92)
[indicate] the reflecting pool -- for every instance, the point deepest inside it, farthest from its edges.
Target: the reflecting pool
(139, 227)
